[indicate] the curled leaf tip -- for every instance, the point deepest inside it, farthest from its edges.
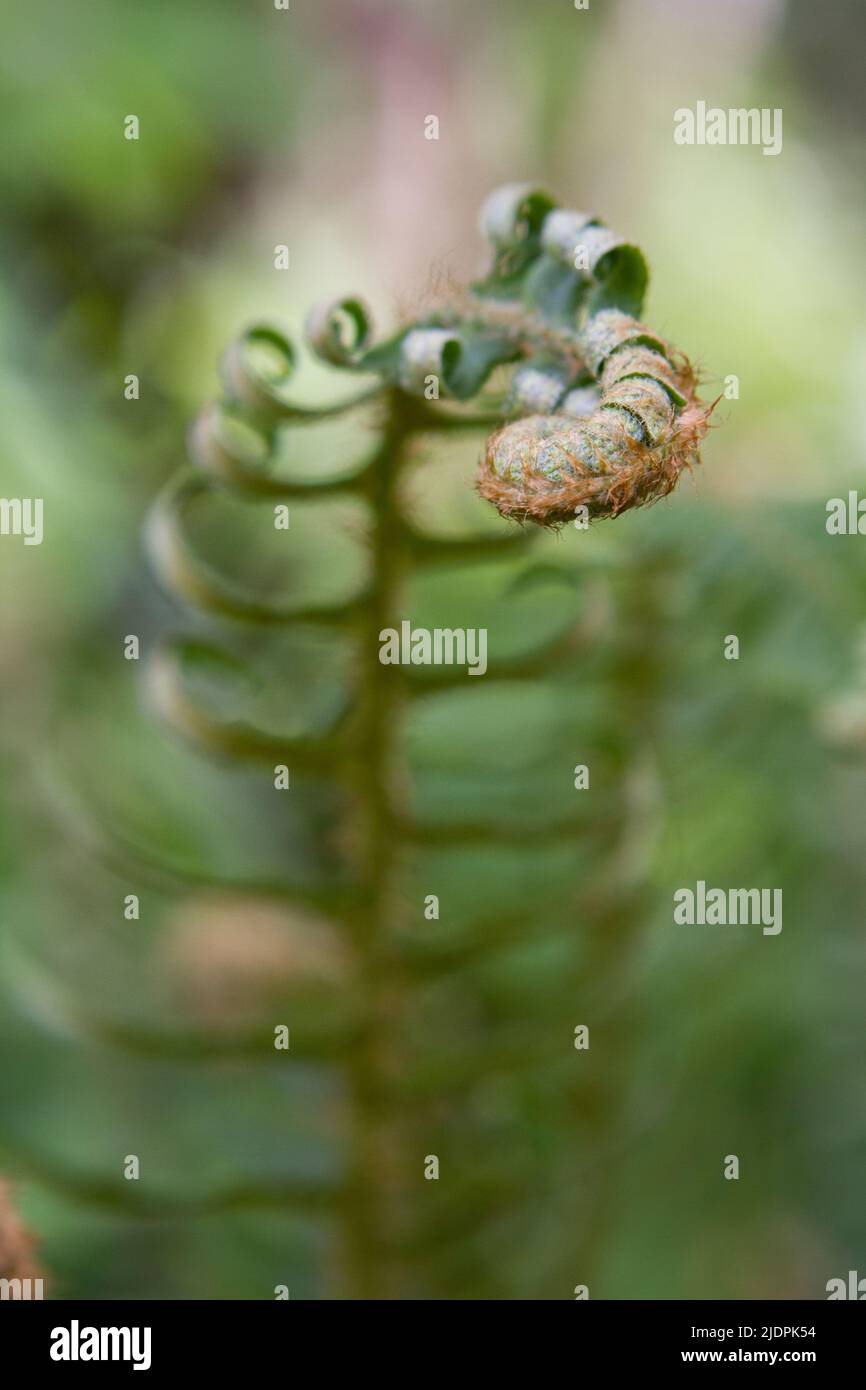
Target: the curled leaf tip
(610, 426)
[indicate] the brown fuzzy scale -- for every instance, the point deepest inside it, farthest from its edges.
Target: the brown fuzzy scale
(635, 474)
(16, 1243)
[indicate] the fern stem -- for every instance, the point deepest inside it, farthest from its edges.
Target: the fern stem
(375, 1164)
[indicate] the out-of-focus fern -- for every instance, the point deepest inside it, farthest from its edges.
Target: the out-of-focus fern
(558, 301)
(451, 1036)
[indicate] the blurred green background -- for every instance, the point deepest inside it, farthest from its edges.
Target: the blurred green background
(153, 1037)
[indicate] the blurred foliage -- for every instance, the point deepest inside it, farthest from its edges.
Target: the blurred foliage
(154, 1037)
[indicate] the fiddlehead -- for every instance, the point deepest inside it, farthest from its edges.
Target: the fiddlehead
(607, 412)
(608, 422)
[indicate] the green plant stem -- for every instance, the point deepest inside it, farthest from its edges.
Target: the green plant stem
(376, 1176)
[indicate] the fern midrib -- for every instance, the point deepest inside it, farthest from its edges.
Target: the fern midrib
(377, 1157)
